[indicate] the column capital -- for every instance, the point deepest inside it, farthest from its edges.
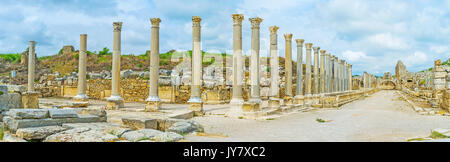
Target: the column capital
(273, 29)
(196, 20)
(308, 45)
(117, 26)
(322, 52)
(288, 36)
(327, 54)
(237, 18)
(255, 22)
(83, 35)
(155, 22)
(32, 42)
(316, 49)
(300, 42)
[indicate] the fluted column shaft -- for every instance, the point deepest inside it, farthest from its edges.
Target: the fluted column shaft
(299, 90)
(327, 73)
(316, 69)
(322, 71)
(274, 73)
(238, 70)
(308, 69)
(154, 60)
(288, 64)
(255, 95)
(335, 74)
(196, 61)
(31, 66)
(82, 60)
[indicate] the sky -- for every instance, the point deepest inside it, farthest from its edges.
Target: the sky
(370, 35)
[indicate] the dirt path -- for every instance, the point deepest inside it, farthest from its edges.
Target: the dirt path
(380, 117)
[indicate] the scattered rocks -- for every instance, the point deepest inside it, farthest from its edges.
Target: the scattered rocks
(186, 127)
(135, 124)
(28, 113)
(151, 134)
(82, 134)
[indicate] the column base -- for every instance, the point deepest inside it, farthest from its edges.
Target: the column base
(81, 98)
(237, 101)
(307, 102)
(287, 100)
(153, 106)
(250, 106)
(30, 100)
(299, 101)
(114, 103)
(196, 105)
(274, 103)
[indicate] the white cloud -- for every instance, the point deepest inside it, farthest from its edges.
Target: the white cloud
(416, 59)
(355, 56)
(387, 40)
(439, 49)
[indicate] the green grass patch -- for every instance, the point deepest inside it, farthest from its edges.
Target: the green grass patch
(270, 119)
(2, 132)
(241, 117)
(416, 139)
(320, 120)
(11, 57)
(436, 135)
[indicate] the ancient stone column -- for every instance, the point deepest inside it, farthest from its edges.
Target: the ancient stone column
(328, 73)
(316, 69)
(31, 66)
(339, 72)
(308, 69)
(115, 101)
(322, 71)
(82, 61)
(335, 74)
(195, 102)
(288, 68)
(153, 101)
(238, 77)
(255, 95)
(274, 100)
(350, 78)
(299, 89)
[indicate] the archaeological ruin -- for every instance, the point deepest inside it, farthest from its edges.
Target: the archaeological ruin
(159, 104)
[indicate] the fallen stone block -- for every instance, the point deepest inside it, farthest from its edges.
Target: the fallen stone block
(28, 113)
(16, 88)
(96, 112)
(38, 133)
(151, 134)
(14, 124)
(183, 115)
(140, 123)
(62, 113)
(185, 127)
(82, 135)
(10, 138)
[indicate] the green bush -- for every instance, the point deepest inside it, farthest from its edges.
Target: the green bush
(105, 51)
(11, 57)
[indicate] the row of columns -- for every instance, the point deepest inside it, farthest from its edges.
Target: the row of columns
(333, 74)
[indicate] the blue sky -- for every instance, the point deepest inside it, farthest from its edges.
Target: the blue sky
(371, 35)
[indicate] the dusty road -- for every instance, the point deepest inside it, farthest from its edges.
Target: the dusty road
(380, 117)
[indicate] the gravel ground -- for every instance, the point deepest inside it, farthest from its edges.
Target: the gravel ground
(380, 117)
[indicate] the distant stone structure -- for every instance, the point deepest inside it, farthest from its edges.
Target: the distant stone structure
(66, 50)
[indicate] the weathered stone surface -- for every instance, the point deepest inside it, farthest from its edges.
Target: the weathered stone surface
(28, 113)
(16, 88)
(14, 124)
(140, 123)
(183, 115)
(62, 113)
(151, 134)
(38, 133)
(10, 101)
(10, 138)
(111, 128)
(30, 100)
(96, 112)
(82, 135)
(185, 127)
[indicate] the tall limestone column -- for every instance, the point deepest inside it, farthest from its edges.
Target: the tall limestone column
(299, 89)
(328, 73)
(237, 98)
(31, 66)
(308, 96)
(322, 71)
(115, 101)
(288, 68)
(308, 69)
(335, 74)
(82, 60)
(350, 79)
(255, 95)
(153, 101)
(274, 100)
(339, 65)
(195, 102)
(30, 99)
(316, 69)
